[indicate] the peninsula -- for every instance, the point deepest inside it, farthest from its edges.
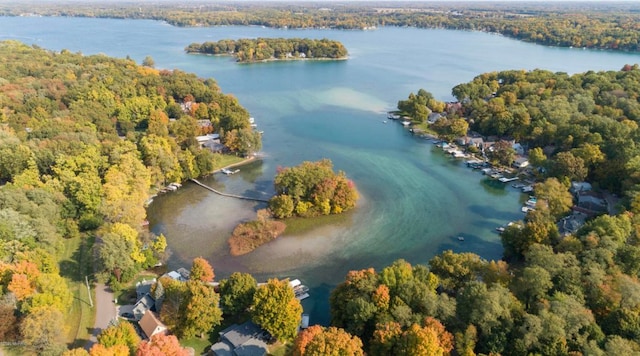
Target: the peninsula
(272, 49)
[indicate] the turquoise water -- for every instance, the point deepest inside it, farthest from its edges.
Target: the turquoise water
(415, 201)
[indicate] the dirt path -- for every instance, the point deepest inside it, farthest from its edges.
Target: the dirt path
(106, 310)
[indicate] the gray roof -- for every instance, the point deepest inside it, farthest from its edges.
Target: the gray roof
(222, 349)
(240, 340)
(141, 307)
(239, 334)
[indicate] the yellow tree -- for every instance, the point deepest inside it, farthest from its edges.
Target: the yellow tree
(276, 309)
(126, 184)
(201, 312)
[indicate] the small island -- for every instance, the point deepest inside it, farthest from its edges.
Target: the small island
(308, 190)
(272, 49)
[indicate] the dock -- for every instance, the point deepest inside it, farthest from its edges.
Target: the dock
(226, 194)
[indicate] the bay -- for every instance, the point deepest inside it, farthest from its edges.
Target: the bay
(415, 200)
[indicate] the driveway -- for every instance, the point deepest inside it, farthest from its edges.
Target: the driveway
(106, 310)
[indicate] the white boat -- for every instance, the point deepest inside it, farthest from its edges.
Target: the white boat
(460, 238)
(300, 290)
(229, 172)
(406, 123)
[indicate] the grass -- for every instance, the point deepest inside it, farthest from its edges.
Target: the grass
(228, 160)
(127, 294)
(200, 345)
(75, 264)
(279, 349)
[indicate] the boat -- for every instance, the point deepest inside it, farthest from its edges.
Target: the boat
(228, 171)
(304, 323)
(300, 290)
(507, 180)
(460, 238)
(406, 123)
(526, 209)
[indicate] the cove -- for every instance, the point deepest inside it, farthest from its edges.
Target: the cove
(415, 200)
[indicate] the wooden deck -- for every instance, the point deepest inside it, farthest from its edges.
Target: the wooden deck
(228, 195)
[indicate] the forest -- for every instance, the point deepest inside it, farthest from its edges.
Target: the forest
(552, 293)
(84, 142)
(263, 49)
(611, 26)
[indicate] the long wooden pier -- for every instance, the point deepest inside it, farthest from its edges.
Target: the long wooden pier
(226, 194)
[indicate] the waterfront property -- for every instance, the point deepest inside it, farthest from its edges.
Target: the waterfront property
(246, 339)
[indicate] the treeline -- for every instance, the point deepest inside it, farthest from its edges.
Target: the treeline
(583, 126)
(261, 49)
(614, 27)
(84, 141)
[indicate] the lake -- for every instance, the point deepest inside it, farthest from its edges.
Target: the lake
(415, 201)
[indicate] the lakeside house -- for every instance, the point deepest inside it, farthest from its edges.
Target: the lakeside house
(521, 162)
(181, 274)
(211, 142)
(150, 325)
(142, 306)
(143, 288)
(246, 339)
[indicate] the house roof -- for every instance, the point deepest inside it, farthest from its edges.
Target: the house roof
(222, 349)
(239, 334)
(141, 307)
(240, 340)
(144, 287)
(252, 347)
(150, 325)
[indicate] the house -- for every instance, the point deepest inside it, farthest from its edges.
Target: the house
(520, 162)
(142, 306)
(592, 203)
(241, 340)
(144, 287)
(518, 148)
(181, 274)
(150, 325)
(434, 117)
(578, 187)
(210, 141)
(469, 141)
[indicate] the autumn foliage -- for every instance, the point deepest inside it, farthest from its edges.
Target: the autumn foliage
(161, 345)
(312, 189)
(248, 236)
(201, 270)
(319, 341)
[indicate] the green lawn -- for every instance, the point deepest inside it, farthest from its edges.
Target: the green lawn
(228, 160)
(75, 264)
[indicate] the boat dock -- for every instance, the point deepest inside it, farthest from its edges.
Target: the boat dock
(226, 194)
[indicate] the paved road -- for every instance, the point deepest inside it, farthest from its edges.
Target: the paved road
(106, 310)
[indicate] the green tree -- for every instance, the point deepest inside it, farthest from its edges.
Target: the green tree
(148, 62)
(201, 312)
(281, 206)
(236, 293)
(276, 309)
(557, 196)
